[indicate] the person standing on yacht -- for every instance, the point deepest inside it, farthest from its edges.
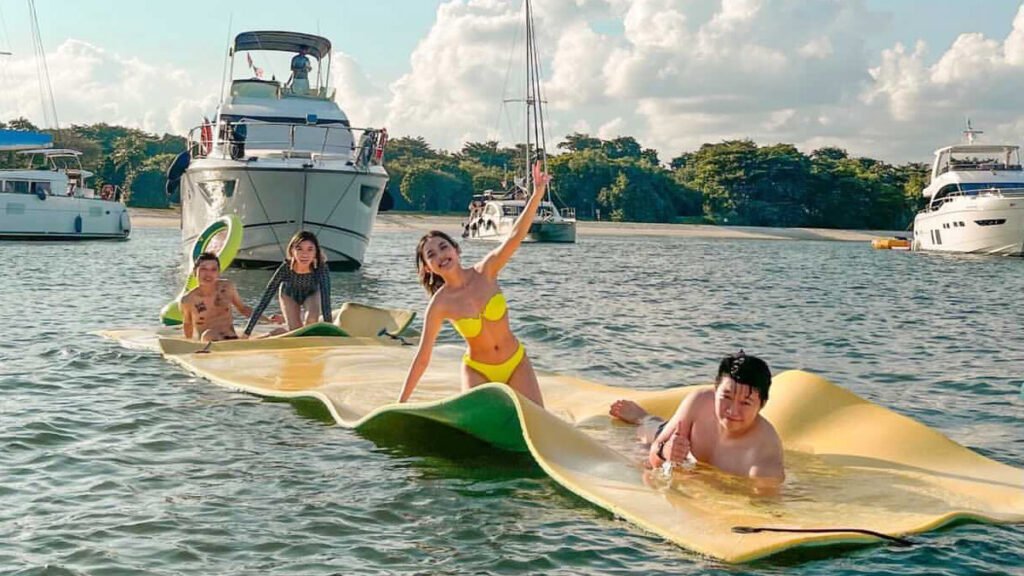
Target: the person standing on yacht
(301, 67)
(472, 301)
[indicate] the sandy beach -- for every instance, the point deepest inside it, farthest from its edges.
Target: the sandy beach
(170, 218)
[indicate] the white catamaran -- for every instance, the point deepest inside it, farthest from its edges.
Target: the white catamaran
(49, 199)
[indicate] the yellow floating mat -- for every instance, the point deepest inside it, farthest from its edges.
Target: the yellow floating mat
(388, 325)
(851, 465)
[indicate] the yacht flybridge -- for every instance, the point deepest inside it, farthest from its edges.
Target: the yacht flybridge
(282, 156)
(975, 200)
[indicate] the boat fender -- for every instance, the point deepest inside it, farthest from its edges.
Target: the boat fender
(78, 224)
(175, 170)
(387, 201)
(41, 193)
(126, 223)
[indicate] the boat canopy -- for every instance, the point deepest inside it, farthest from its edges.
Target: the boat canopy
(278, 41)
(977, 149)
(23, 140)
(47, 152)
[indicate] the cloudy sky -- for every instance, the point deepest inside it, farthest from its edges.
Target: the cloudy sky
(890, 79)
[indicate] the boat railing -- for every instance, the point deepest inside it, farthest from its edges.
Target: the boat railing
(976, 193)
(511, 210)
(316, 142)
(568, 213)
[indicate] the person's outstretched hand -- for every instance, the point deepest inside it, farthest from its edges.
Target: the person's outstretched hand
(540, 177)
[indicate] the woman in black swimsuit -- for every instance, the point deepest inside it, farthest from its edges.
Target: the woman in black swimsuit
(301, 282)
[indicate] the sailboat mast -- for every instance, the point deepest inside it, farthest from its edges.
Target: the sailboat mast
(43, 73)
(528, 95)
(534, 99)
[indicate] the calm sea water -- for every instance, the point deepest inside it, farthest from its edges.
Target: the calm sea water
(115, 462)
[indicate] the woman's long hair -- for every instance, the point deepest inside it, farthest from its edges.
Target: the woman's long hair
(430, 281)
(300, 237)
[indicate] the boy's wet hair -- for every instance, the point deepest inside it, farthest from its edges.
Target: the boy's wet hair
(205, 256)
(747, 370)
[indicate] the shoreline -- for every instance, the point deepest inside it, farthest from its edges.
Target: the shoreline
(398, 221)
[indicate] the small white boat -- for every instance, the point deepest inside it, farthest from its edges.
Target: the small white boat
(975, 200)
(492, 216)
(282, 157)
(50, 198)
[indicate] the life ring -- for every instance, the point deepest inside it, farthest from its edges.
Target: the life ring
(223, 237)
(382, 141)
(206, 139)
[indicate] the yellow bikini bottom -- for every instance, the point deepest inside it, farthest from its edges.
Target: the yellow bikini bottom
(497, 372)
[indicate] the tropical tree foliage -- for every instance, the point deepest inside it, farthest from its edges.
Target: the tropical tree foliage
(778, 185)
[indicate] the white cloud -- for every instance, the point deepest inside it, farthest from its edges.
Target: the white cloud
(924, 104)
(454, 87)
(673, 73)
(363, 100)
(91, 85)
(613, 129)
(577, 68)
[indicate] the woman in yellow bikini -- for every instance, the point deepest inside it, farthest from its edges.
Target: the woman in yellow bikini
(472, 301)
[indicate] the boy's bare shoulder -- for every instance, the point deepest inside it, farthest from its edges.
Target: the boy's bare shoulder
(225, 284)
(189, 296)
(768, 437)
(700, 405)
(704, 395)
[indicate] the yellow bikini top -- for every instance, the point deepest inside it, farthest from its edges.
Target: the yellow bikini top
(472, 326)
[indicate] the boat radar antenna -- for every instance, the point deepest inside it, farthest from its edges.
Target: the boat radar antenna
(970, 133)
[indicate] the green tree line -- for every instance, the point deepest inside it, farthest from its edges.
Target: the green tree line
(733, 182)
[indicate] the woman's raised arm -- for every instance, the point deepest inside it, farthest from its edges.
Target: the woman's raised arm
(494, 261)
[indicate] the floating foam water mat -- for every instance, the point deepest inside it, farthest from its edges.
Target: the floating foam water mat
(851, 465)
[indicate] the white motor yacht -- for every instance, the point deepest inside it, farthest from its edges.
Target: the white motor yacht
(975, 200)
(282, 157)
(49, 199)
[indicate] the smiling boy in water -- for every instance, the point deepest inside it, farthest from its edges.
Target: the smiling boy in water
(722, 427)
(206, 309)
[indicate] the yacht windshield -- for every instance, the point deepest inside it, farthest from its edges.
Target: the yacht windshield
(979, 158)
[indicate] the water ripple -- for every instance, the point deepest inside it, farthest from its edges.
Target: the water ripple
(116, 462)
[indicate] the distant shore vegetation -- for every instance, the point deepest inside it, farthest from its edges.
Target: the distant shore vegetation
(735, 182)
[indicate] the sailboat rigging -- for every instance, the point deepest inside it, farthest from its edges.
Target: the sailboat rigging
(493, 213)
